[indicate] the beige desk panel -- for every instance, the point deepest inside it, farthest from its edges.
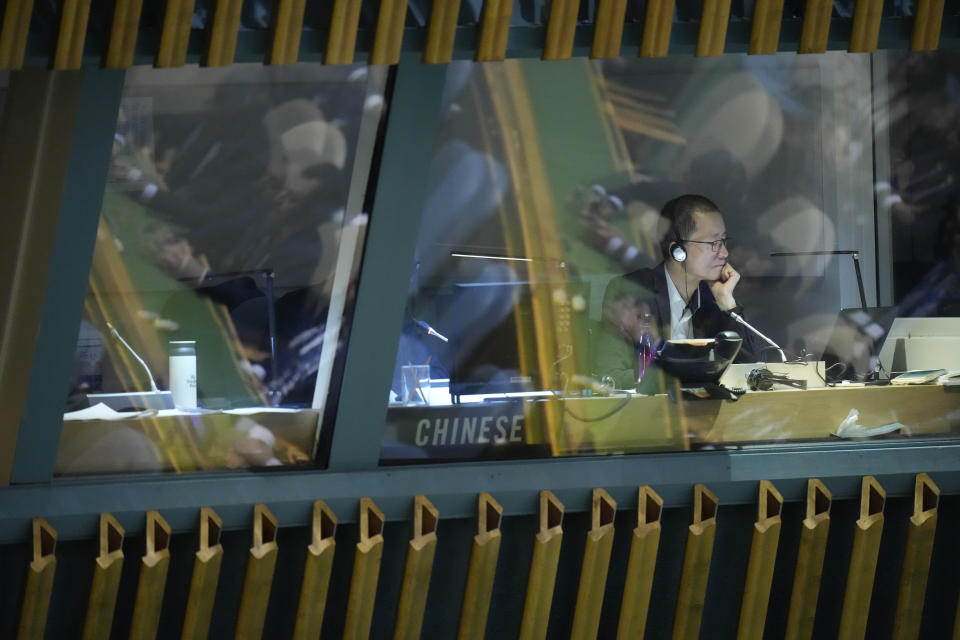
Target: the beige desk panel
(815, 413)
(632, 425)
(654, 422)
(200, 442)
(644, 423)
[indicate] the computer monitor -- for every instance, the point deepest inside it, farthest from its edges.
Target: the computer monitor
(921, 343)
(853, 349)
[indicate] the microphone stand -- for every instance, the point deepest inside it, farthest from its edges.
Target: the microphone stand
(836, 252)
(116, 334)
(739, 318)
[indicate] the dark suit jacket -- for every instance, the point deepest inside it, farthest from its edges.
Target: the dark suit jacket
(649, 286)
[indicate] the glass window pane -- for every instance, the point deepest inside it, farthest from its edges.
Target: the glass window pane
(596, 231)
(222, 280)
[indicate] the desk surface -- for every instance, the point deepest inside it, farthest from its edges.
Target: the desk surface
(772, 415)
(178, 441)
(525, 427)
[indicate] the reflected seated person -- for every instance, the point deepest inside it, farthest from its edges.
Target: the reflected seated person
(685, 296)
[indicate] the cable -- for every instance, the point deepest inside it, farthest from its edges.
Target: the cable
(799, 359)
(623, 403)
(833, 383)
(686, 298)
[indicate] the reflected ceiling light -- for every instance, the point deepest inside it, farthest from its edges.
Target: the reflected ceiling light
(485, 256)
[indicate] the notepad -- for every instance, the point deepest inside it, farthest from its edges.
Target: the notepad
(950, 378)
(101, 411)
(921, 376)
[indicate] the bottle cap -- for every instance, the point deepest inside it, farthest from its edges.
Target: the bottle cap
(183, 347)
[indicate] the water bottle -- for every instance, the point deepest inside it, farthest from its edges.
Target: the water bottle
(183, 373)
(644, 350)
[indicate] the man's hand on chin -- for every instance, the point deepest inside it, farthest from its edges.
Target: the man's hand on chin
(722, 288)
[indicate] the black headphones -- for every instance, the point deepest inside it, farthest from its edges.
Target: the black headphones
(764, 379)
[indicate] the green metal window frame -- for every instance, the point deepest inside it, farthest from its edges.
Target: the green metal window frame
(73, 505)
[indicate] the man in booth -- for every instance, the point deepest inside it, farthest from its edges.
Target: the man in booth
(688, 295)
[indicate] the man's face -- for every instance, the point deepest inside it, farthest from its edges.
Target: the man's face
(701, 261)
(303, 150)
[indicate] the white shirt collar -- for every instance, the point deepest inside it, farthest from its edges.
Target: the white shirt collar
(680, 314)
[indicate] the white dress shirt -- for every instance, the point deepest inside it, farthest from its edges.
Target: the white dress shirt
(681, 316)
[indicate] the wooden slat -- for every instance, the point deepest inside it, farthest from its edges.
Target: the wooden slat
(927, 20)
(656, 28)
(561, 26)
(608, 30)
(388, 38)
(640, 567)
(261, 562)
(152, 580)
(916, 560)
(483, 569)
(865, 32)
(765, 33)
(494, 30)
(696, 565)
(206, 576)
(543, 569)
(366, 572)
(287, 27)
(343, 31)
(441, 31)
(106, 580)
(806, 577)
(72, 35)
(123, 34)
(863, 561)
(763, 557)
(594, 568)
(39, 586)
(316, 574)
(712, 37)
(816, 26)
(175, 35)
(417, 571)
(223, 33)
(13, 33)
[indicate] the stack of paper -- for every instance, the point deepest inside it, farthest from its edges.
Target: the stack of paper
(101, 411)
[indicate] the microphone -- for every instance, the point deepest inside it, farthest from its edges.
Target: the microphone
(430, 330)
(739, 318)
(113, 330)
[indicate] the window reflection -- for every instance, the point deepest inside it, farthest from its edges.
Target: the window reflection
(550, 314)
(923, 193)
(224, 268)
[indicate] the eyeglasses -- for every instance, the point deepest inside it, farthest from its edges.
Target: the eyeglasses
(714, 244)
